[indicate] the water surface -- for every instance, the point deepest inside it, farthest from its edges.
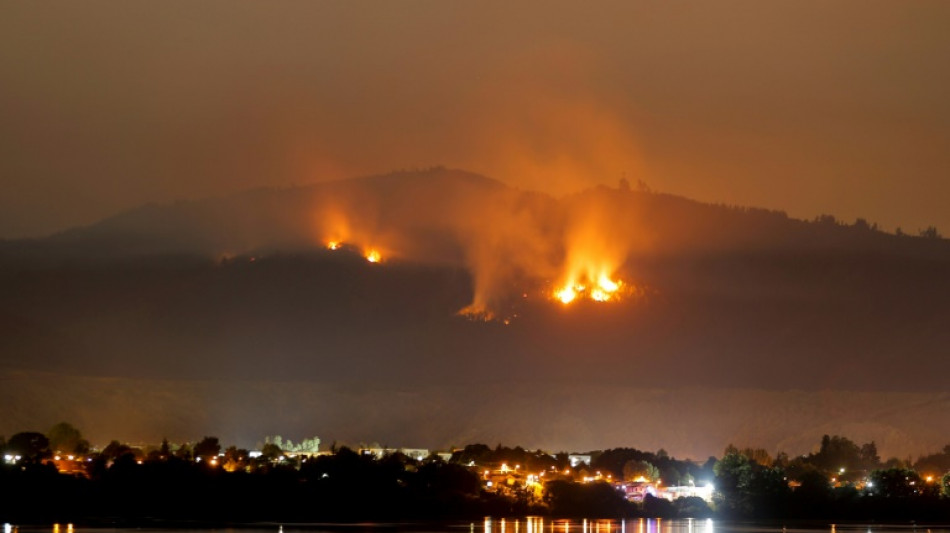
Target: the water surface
(523, 525)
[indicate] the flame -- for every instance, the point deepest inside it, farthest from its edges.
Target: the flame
(373, 255)
(608, 285)
(566, 295)
(334, 245)
(601, 289)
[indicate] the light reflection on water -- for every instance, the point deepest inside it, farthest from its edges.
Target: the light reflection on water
(657, 525)
(531, 524)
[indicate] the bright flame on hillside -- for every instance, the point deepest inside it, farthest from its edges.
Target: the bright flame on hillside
(567, 294)
(373, 256)
(603, 289)
(333, 245)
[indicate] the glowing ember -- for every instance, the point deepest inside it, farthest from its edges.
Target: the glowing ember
(373, 256)
(477, 312)
(333, 245)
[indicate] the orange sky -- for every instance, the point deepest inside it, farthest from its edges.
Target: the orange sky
(808, 107)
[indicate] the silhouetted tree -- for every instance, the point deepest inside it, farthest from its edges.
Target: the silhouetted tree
(633, 470)
(813, 497)
(658, 507)
(183, 452)
(30, 445)
(115, 449)
(692, 507)
(565, 498)
(869, 457)
(207, 448)
(837, 453)
(271, 451)
(930, 233)
(745, 488)
(894, 483)
(733, 482)
(65, 438)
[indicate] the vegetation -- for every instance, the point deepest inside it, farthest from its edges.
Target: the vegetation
(841, 480)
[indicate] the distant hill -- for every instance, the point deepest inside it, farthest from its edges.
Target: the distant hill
(243, 287)
(420, 208)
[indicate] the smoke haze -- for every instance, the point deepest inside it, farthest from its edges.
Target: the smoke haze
(810, 109)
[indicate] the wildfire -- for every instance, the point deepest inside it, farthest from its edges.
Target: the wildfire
(373, 256)
(333, 245)
(567, 294)
(603, 289)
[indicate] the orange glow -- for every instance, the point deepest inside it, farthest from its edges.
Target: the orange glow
(566, 294)
(601, 289)
(373, 256)
(333, 245)
(477, 311)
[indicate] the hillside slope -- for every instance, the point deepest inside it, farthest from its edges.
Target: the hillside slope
(243, 289)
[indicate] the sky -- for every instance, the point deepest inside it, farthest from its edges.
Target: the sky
(806, 107)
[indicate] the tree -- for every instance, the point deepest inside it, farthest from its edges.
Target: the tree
(235, 458)
(869, 457)
(930, 233)
(65, 438)
(271, 451)
(640, 470)
(733, 483)
(565, 498)
(838, 452)
(31, 446)
(183, 452)
(894, 483)
(692, 507)
(745, 488)
(208, 448)
(814, 496)
(758, 455)
(115, 450)
(659, 507)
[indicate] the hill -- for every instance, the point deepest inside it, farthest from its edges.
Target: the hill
(244, 289)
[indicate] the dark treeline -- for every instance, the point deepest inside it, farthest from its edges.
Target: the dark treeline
(345, 486)
(203, 482)
(841, 481)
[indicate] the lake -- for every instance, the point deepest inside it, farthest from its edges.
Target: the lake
(524, 525)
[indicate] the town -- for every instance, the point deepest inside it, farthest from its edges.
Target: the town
(203, 480)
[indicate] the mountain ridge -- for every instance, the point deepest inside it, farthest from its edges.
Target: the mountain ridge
(169, 227)
(717, 298)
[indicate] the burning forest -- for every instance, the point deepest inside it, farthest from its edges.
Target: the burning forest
(514, 245)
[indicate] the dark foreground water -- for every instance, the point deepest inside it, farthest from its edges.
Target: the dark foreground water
(524, 525)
